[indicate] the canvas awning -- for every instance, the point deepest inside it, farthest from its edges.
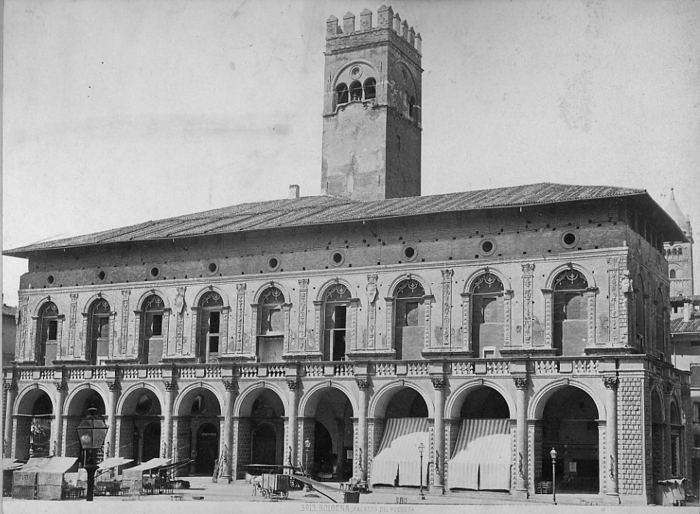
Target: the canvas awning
(136, 472)
(12, 464)
(398, 453)
(49, 464)
(113, 462)
(482, 456)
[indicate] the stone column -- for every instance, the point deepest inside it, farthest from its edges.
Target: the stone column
(611, 384)
(439, 383)
(231, 390)
(292, 443)
(112, 417)
(168, 418)
(57, 436)
(10, 392)
(521, 483)
(360, 452)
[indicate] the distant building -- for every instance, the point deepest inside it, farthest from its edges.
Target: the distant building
(348, 332)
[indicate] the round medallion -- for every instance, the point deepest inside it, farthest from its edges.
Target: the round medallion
(356, 72)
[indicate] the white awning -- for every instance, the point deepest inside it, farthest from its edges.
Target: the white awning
(482, 456)
(398, 453)
(114, 462)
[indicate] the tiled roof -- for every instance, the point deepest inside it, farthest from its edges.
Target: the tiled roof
(9, 311)
(678, 326)
(321, 210)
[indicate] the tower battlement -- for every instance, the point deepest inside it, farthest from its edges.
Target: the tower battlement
(386, 20)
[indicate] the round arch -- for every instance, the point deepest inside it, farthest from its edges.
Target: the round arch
(28, 396)
(131, 390)
(153, 291)
(401, 64)
(454, 404)
(190, 390)
(311, 398)
(244, 402)
(209, 289)
(539, 400)
(571, 266)
(99, 296)
(380, 400)
(81, 391)
(481, 271)
(355, 62)
(409, 276)
(330, 283)
(43, 301)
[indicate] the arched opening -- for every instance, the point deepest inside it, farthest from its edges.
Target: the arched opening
(271, 325)
(199, 418)
(34, 426)
(47, 338)
(210, 309)
(261, 425)
(404, 430)
(570, 335)
(355, 91)
(151, 332)
(570, 426)
(98, 331)
(487, 315)
(140, 426)
(409, 320)
(329, 430)
(370, 88)
(341, 94)
(77, 410)
(481, 458)
(335, 307)
(672, 273)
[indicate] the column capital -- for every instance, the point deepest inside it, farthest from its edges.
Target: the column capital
(611, 382)
(520, 382)
(10, 386)
(528, 268)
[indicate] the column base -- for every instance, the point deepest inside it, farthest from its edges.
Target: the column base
(435, 490)
(613, 498)
(520, 494)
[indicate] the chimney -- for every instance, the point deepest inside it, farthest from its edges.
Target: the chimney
(293, 192)
(687, 306)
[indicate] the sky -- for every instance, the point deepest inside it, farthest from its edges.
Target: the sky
(116, 112)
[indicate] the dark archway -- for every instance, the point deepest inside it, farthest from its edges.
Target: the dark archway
(264, 444)
(198, 407)
(484, 403)
(207, 449)
(151, 442)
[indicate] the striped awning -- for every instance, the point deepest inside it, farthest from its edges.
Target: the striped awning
(398, 455)
(482, 456)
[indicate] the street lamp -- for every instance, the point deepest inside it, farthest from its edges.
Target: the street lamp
(307, 446)
(92, 432)
(421, 447)
(553, 454)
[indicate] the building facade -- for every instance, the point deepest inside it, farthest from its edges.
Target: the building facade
(342, 332)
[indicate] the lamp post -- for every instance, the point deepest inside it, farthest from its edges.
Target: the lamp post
(421, 447)
(553, 454)
(92, 432)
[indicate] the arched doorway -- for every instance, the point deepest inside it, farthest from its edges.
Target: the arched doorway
(329, 430)
(140, 426)
(481, 457)
(207, 449)
(404, 434)
(570, 426)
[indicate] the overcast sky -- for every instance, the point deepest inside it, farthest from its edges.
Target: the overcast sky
(116, 112)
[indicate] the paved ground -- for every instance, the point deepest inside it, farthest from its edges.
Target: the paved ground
(205, 497)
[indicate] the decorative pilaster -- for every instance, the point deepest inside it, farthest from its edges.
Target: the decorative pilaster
(223, 328)
(10, 392)
(439, 384)
(252, 347)
(547, 296)
(428, 301)
(180, 307)
(192, 350)
(82, 337)
(507, 316)
(390, 305)
(354, 315)
(294, 386)
(231, 387)
(72, 320)
(372, 295)
(466, 322)
(590, 300)
(318, 306)
(446, 306)
(286, 313)
(614, 303)
(360, 454)
(112, 334)
(23, 332)
(114, 389)
(303, 299)
(611, 384)
(528, 272)
(240, 316)
(521, 483)
(126, 293)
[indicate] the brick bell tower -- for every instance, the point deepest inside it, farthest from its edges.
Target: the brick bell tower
(372, 108)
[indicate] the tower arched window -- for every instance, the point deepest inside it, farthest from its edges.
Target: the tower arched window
(336, 303)
(98, 330)
(270, 325)
(487, 314)
(680, 252)
(341, 94)
(355, 90)
(570, 312)
(672, 273)
(152, 330)
(410, 318)
(370, 88)
(48, 332)
(675, 251)
(211, 307)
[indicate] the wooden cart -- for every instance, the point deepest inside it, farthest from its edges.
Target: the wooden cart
(275, 487)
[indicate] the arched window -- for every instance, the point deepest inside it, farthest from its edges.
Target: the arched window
(210, 313)
(48, 333)
(486, 315)
(672, 273)
(410, 319)
(336, 300)
(570, 312)
(355, 90)
(370, 88)
(675, 251)
(680, 251)
(341, 94)
(151, 347)
(98, 331)
(270, 325)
